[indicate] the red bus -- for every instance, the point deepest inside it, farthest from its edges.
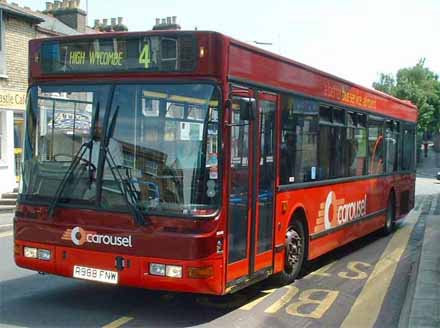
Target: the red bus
(192, 162)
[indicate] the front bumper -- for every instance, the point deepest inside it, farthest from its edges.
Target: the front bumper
(135, 272)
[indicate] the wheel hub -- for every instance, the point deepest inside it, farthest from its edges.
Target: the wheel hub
(293, 249)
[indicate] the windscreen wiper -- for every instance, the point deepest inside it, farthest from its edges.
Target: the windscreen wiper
(88, 145)
(72, 167)
(129, 193)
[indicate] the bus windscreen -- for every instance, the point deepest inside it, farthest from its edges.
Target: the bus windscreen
(163, 53)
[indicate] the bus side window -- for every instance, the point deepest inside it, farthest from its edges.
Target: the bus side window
(376, 145)
(299, 135)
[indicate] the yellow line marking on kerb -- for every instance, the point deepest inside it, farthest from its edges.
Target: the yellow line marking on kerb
(6, 234)
(367, 306)
(118, 323)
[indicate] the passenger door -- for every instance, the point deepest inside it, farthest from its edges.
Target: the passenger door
(251, 186)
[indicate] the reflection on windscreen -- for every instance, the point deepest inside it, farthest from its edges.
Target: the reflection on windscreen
(59, 122)
(165, 144)
(68, 120)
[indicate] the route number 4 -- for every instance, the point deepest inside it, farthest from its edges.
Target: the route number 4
(144, 57)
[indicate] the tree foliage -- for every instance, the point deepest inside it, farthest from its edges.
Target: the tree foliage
(419, 85)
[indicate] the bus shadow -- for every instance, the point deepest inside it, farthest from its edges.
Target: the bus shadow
(51, 301)
(343, 251)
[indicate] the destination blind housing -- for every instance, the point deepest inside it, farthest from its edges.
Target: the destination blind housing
(116, 54)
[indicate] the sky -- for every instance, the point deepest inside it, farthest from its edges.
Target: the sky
(353, 39)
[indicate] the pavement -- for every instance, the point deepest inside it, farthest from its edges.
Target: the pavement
(5, 221)
(422, 303)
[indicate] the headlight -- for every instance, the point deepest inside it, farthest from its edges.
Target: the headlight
(174, 271)
(157, 269)
(30, 252)
(44, 254)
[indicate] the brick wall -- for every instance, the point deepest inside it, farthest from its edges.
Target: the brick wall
(17, 35)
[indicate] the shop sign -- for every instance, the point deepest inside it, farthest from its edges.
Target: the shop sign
(12, 99)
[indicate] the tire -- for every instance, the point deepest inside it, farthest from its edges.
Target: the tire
(295, 247)
(390, 222)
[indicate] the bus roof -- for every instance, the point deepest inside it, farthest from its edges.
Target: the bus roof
(319, 72)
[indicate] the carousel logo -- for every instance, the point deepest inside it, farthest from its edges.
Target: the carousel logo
(79, 237)
(337, 211)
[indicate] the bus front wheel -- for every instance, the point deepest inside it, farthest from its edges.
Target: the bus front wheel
(295, 246)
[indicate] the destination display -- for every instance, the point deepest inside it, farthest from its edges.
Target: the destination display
(119, 54)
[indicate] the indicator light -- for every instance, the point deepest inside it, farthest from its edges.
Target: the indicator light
(201, 273)
(202, 52)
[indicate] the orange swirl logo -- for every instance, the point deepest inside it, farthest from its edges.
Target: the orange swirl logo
(79, 237)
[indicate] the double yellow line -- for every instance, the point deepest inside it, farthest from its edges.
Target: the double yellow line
(118, 323)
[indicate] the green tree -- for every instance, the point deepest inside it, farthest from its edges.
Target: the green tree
(419, 85)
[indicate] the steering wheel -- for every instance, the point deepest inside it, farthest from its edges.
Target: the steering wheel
(60, 157)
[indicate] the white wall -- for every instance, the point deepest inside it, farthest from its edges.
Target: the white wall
(7, 164)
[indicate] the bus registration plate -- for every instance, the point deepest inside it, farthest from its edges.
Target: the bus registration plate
(110, 277)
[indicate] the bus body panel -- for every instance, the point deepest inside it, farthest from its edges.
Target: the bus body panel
(312, 200)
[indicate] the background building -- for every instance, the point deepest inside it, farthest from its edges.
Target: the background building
(17, 26)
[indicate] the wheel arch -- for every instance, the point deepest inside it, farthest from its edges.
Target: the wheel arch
(299, 214)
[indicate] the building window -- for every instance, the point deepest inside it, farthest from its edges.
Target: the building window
(2, 45)
(3, 154)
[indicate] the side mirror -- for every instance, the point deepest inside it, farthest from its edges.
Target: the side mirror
(247, 109)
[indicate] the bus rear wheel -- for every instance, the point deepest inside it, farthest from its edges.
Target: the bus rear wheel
(390, 223)
(295, 246)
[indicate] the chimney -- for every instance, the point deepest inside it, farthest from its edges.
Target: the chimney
(169, 23)
(68, 12)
